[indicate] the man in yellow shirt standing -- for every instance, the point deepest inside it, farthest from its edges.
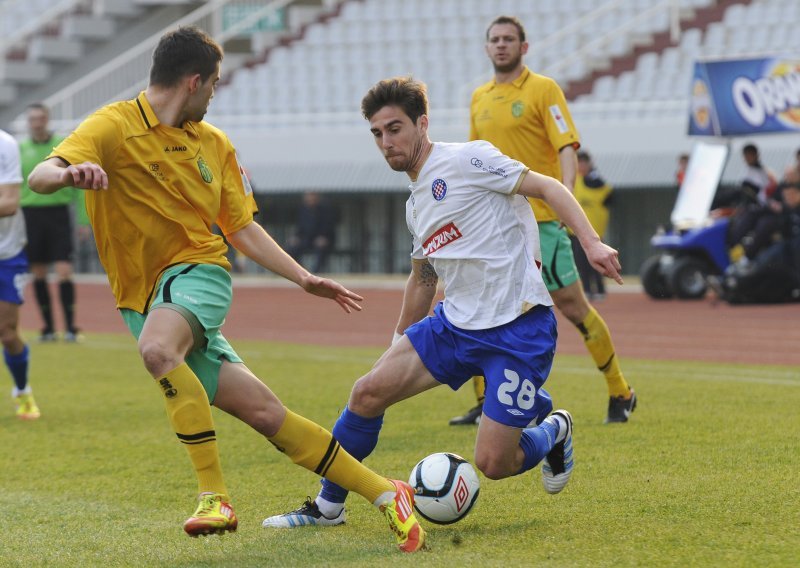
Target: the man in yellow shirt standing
(594, 195)
(157, 179)
(525, 115)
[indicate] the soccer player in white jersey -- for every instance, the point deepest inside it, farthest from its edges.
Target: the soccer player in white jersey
(13, 274)
(472, 227)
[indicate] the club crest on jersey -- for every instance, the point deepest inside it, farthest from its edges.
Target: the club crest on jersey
(517, 108)
(441, 238)
(439, 189)
(205, 171)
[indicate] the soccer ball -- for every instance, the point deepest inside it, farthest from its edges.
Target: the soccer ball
(445, 486)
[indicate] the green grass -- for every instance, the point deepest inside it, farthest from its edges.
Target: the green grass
(704, 475)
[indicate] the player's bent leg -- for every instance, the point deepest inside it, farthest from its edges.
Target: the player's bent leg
(397, 375)
(503, 451)
(165, 337)
(497, 449)
(309, 445)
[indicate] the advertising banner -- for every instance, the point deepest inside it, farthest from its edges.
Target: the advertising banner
(745, 96)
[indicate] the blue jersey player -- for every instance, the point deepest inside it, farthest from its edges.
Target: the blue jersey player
(13, 275)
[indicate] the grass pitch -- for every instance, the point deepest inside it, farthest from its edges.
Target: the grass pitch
(705, 474)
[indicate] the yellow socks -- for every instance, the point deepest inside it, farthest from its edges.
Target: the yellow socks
(479, 384)
(190, 415)
(311, 446)
(598, 341)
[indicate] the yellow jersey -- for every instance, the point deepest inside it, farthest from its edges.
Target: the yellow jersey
(528, 120)
(594, 195)
(167, 187)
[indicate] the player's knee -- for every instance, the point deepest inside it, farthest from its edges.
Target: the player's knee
(158, 359)
(263, 420)
(368, 399)
(9, 337)
(573, 307)
(493, 467)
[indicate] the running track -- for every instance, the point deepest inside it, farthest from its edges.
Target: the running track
(266, 309)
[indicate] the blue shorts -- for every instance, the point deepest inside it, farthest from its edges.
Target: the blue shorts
(515, 358)
(13, 277)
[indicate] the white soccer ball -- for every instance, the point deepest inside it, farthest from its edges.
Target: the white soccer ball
(445, 486)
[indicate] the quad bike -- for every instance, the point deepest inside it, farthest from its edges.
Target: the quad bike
(685, 260)
(695, 248)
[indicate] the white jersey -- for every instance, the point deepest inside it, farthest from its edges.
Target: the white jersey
(12, 227)
(480, 236)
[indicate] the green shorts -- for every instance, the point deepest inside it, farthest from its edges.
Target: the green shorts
(202, 293)
(558, 264)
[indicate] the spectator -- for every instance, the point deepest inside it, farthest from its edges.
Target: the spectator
(49, 227)
(757, 219)
(315, 231)
(774, 274)
(758, 180)
(594, 196)
(680, 173)
(792, 172)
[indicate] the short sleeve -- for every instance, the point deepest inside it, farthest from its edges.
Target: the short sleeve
(95, 140)
(10, 168)
(485, 167)
(237, 205)
(560, 128)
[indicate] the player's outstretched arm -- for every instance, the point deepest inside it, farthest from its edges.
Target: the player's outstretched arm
(602, 257)
(257, 244)
(53, 174)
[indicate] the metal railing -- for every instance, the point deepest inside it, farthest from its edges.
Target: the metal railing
(586, 51)
(126, 74)
(33, 24)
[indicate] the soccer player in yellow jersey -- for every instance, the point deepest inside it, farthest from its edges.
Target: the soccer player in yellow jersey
(525, 115)
(157, 179)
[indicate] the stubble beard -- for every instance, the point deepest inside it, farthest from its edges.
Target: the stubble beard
(508, 67)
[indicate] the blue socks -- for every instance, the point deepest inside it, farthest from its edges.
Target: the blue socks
(536, 443)
(18, 366)
(357, 435)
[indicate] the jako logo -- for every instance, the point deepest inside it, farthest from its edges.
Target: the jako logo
(169, 390)
(441, 238)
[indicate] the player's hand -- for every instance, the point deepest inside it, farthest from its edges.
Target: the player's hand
(85, 176)
(605, 260)
(327, 288)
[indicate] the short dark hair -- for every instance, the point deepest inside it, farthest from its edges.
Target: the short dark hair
(38, 106)
(513, 20)
(583, 156)
(750, 149)
(404, 92)
(185, 51)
